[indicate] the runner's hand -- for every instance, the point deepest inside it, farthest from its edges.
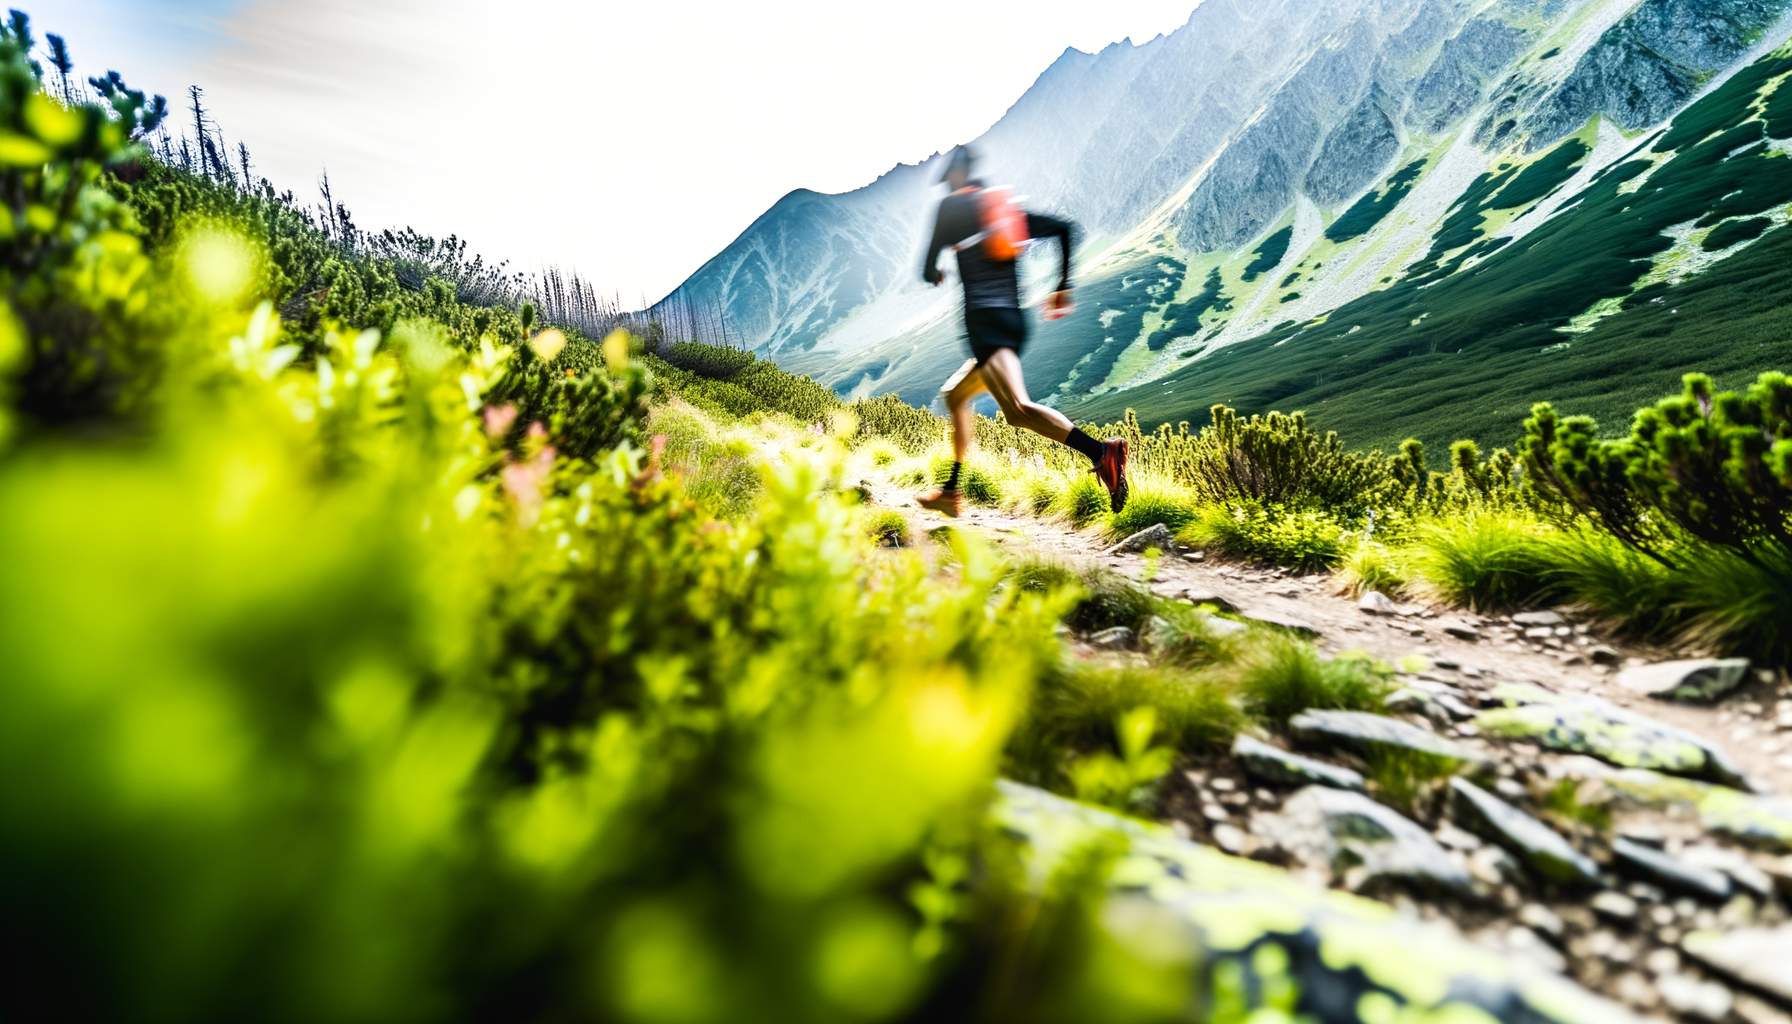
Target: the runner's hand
(1059, 305)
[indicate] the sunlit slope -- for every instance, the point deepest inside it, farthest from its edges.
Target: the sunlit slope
(1674, 256)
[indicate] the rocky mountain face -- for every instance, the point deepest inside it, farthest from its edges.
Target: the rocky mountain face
(1265, 165)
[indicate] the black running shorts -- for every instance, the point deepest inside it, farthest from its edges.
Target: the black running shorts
(990, 329)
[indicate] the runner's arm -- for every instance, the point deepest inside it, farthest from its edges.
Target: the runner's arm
(1041, 225)
(930, 267)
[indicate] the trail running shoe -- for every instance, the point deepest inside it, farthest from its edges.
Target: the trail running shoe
(1111, 471)
(948, 503)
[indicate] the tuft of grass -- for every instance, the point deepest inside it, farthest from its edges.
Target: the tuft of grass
(1281, 676)
(1486, 561)
(1371, 565)
(1183, 635)
(881, 452)
(1405, 779)
(1152, 502)
(1597, 572)
(1039, 494)
(889, 528)
(1078, 705)
(1298, 539)
(1727, 602)
(1082, 501)
(1572, 801)
(975, 481)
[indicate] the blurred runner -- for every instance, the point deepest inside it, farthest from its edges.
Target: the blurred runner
(988, 231)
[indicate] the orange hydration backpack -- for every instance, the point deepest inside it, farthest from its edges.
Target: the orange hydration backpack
(1004, 225)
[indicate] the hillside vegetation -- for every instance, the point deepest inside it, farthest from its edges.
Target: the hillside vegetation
(384, 648)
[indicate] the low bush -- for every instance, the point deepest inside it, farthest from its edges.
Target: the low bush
(1150, 503)
(1082, 501)
(1297, 539)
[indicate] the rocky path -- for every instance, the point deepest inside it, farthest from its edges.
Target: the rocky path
(1593, 830)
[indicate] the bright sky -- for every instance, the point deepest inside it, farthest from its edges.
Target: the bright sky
(628, 141)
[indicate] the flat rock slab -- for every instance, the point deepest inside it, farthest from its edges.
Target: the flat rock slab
(1535, 844)
(1758, 957)
(1588, 725)
(1362, 842)
(1658, 868)
(1694, 681)
(1364, 732)
(1280, 621)
(1337, 950)
(1750, 818)
(1281, 768)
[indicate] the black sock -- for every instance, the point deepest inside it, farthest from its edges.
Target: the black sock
(1084, 443)
(952, 480)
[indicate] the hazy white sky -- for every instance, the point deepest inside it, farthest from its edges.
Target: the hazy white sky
(629, 141)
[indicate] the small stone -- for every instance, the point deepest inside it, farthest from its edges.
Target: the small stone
(1460, 630)
(1118, 638)
(1544, 618)
(1155, 536)
(1605, 655)
(1539, 633)
(1231, 839)
(1494, 867)
(1221, 784)
(1529, 944)
(1692, 680)
(1693, 999)
(1280, 621)
(1542, 920)
(1194, 556)
(1633, 988)
(1614, 906)
(1374, 602)
(1662, 961)
(1456, 839)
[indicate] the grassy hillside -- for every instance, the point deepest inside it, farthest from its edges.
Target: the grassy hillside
(1451, 352)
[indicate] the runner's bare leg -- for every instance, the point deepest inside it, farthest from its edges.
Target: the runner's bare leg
(1001, 373)
(964, 417)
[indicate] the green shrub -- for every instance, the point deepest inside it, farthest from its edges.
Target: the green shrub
(1304, 540)
(1152, 502)
(976, 482)
(889, 528)
(1371, 565)
(1082, 501)
(1486, 561)
(1078, 705)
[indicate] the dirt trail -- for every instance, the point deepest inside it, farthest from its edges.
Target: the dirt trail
(1743, 724)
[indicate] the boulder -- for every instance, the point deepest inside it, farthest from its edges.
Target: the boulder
(1697, 680)
(1361, 842)
(1155, 536)
(1535, 844)
(1364, 732)
(1757, 957)
(1279, 767)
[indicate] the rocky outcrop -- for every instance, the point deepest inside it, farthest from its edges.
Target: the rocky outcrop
(1457, 81)
(1356, 153)
(1650, 64)
(1332, 950)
